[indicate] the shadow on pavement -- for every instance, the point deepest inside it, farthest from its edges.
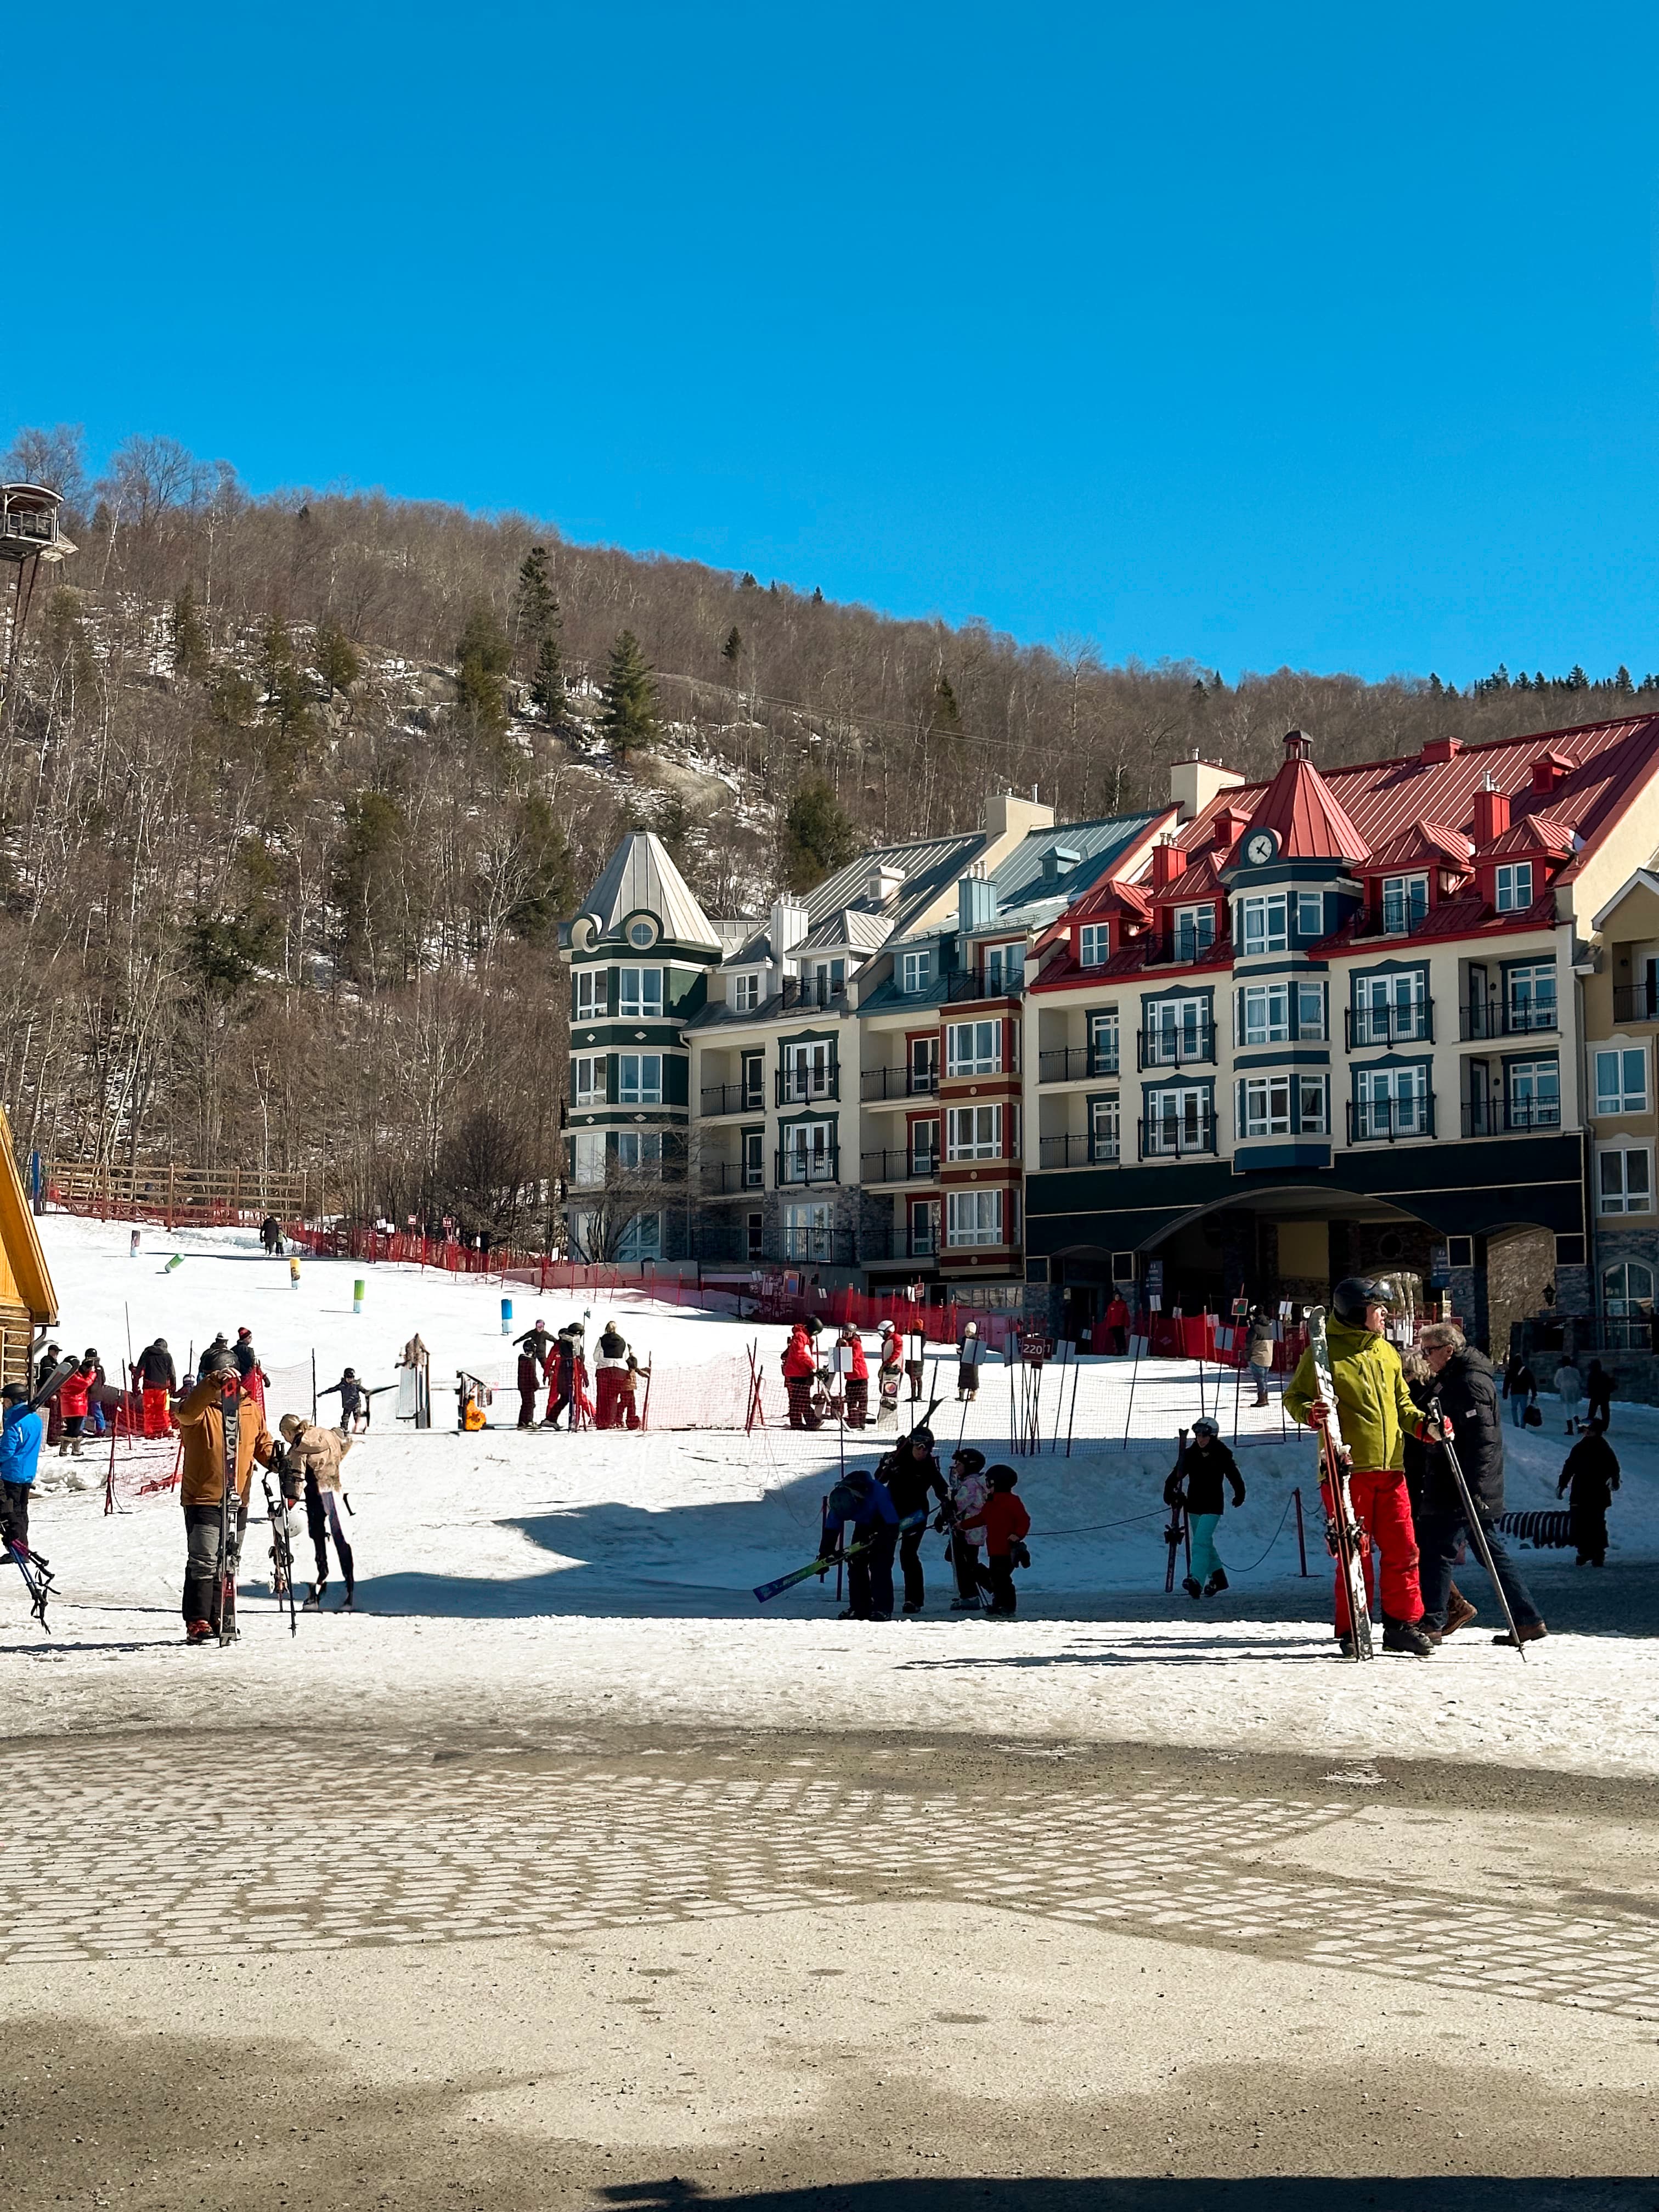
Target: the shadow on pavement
(1105, 2193)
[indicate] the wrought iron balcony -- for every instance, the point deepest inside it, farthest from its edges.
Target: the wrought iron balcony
(1192, 1043)
(1079, 1152)
(1395, 1025)
(1077, 1063)
(877, 1083)
(1383, 1121)
(1501, 1018)
(1502, 1117)
(898, 1166)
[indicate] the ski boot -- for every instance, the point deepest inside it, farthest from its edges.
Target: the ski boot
(348, 1603)
(1192, 1585)
(1406, 1637)
(199, 1632)
(314, 1598)
(1217, 1583)
(1346, 1647)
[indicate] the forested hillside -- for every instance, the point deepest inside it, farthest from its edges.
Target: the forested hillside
(295, 790)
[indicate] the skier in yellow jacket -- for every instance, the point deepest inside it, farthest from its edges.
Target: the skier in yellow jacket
(1375, 1412)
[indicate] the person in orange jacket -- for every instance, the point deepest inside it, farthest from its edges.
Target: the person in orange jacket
(1006, 1525)
(222, 1426)
(800, 1368)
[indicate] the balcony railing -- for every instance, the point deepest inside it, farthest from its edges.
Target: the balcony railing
(1079, 1152)
(1411, 1024)
(831, 1247)
(808, 991)
(799, 1086)
(1382, 1120)
(1185, 1047)
(37, 525)
(898, 1166)
(1635, 1002)
(1501, 1117)
(795, 1167)
(967, 983)
(1167, 1137)
(1501, 1018)
(877, 1083)
(723, 1180)
(1076, 1063)
(732, 1098)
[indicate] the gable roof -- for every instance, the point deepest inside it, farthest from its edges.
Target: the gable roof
(1644, 879)
(22, 1257)
(1533, 833)
(1425, 844)
(639, 874)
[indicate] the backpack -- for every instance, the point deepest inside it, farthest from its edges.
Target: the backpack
(1531, 1418)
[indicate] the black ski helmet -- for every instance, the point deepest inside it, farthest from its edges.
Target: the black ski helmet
(969, 1460)
(1354, 1293)
(16, 1394)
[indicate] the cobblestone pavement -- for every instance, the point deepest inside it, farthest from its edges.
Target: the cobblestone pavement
(111, 1849)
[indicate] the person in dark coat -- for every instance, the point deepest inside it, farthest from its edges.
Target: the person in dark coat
(1591, 1474)
(1197, 1485)
(1420, 1380)
(537, 1342)
(912, 1476)
(158, 1384)
(1466, 1392)
(1520, 1388)
(1598, 1387)
(530, 1384)
(860, 1517)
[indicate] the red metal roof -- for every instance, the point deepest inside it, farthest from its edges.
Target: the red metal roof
(1610, 762)
(1425, 844)
(1533, 833)
(1300, 807)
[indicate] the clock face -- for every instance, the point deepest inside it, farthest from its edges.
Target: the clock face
(1261, 848)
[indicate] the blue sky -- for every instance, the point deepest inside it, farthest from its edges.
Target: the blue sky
(1259, 334)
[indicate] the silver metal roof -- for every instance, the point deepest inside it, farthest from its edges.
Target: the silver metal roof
(640, 875)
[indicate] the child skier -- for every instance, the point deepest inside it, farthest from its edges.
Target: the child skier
(1006, 1525)
(1197, 1486)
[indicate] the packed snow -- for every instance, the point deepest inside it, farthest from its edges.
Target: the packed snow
(509, 1581)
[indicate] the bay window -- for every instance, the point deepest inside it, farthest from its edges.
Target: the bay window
(972, 1048)
(639, 1079)
(974, 1132)
(974, 1217)
(1263, 924)
(639, 995)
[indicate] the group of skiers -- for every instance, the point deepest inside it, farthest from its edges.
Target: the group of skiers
(560, 1363)
(870, 1514)
(820, 1381)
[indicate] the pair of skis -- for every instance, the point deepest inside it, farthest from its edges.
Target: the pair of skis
(38, 1577)
(825, 1560)
(281, 1553)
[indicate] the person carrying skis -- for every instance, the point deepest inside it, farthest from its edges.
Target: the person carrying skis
(314, 1456)
(969, 1491)
(858, 1375)
(222, 1426)
(1376, 1411)
(800, 1368)
(1006, 1525)
(912, 1476)
(969, 1352)
(1591, 1474)
(1196, 1486)
(861, 1502)
(610, 1366)
(22, 1436)
(889, 1369)
(1259, 1353)
(158, 1380)
(1465, 1388)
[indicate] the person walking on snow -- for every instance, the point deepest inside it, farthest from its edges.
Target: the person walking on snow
(1376, 1411)
(610, 1366)
(158, 1382)
(1006, 1525)
(353, 1400)
(890, 1370)
(969, 1491)
(1569, 1389)
(970, 1353)
(1520, 1388)
(860, 1503)
(1197, 1486)
(21, 1435)
(1465, 1388)
(316, 1455)
(800, 1369)
(912, 1476)
(1591, 1474)
(1598, 1387)
(72, 1399)
(222, 1426)
(858, 1376)
(1259, 1353)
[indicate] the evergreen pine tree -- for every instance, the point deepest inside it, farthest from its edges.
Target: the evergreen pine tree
(947, 717)
(733, 645)
(1621, 682)
(483, 656)
(818, 835)
(190, 648)
(1577, 679)
(817, 595)
(337, 659)
(535, 609)
(628, 711)
(547, 681)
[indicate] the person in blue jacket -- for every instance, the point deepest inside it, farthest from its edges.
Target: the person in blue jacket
(860, 1503)
(21, 1435)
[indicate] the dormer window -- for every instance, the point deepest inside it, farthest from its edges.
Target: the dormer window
(1193, 931)
(915, 972)
(1515, 887)
(1405, 904)
(1005, 968)
(1094, 945)
(745, 994)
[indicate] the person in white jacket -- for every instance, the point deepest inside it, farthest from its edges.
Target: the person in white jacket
(969, 1491)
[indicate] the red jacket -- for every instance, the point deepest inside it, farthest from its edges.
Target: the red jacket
(72, 1397)
(1003, 1518)
(858, 1371)
(798, 1358)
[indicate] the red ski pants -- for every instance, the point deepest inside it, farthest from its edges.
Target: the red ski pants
(1384, 1512)
(156, 1417)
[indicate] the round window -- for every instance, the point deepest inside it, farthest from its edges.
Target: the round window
(641, 933)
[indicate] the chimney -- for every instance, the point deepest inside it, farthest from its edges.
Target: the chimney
(976, 902)
(1194, 782)
(1492, 814)
(1008, 817)
(1439, 751)
(1169, 861)
(789, 925)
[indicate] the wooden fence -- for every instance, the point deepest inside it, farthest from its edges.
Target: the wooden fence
(174, 1194)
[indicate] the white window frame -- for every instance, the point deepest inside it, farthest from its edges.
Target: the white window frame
(1105, 1041)
(1094, 945)
(1264, 1106)
(639, 995)
(1512, 881)
(974, 1217)
(1310, 914)
(1313, 1105)
(646, 1089)
(809, 1152)
(1620, 1192)
(1263, 923)
(593, 994)
(1616, 1095)
(1546, 1069)
(1264, 1014)
(1178, 1120)
(981, 1052)
(587, 1159)
(1529, 975)
(1395, 1087)
(745, 993)
(751, 1158)
(639, 1151)
(588, 1087)
(1402, 910)
(1174, 1029)
(916, 972)
(1382, 997)
(973, 1133)
(809, 1071)
(1005, 962)
(1105, 1128)
(1195, 924)
(1311, 1002)
(1626, 1303)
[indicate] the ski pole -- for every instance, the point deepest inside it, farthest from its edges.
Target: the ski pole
(1301, 1539)
(1471, 1516)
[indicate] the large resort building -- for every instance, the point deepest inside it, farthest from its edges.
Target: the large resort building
(1398, 1015)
